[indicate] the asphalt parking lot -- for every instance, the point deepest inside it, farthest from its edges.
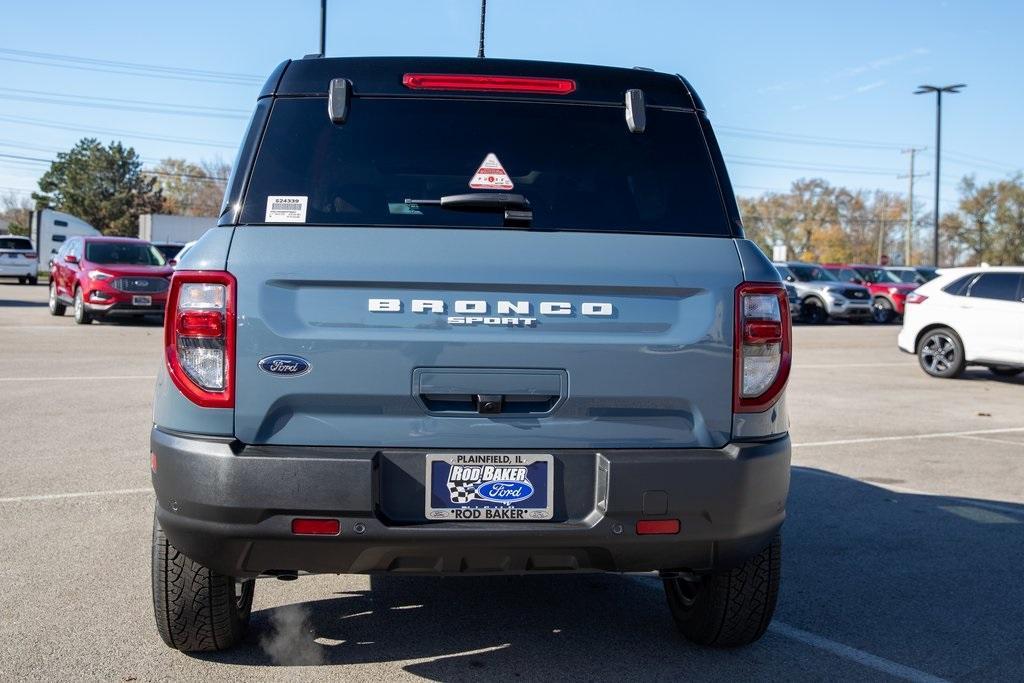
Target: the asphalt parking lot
(903, 548)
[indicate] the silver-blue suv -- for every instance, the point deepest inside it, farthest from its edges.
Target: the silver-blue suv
(467, 316)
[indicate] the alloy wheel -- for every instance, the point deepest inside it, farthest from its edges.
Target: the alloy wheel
(938, 353)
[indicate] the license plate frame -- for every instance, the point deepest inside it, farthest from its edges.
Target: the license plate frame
(142, 300)
(474, 494)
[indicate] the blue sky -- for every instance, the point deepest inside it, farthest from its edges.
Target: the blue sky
(795, 89)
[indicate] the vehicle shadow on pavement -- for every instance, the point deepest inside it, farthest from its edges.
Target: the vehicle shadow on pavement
(983, 375)
(928, 582)
(21, 303)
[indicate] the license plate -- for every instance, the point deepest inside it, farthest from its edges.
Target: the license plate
(142, 300)
(489, 487)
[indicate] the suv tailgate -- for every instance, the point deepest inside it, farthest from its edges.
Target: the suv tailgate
(657, 372)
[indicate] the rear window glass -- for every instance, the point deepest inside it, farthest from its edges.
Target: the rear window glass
(1002, 286)
(15, 243)
(958, 287)
(579, 166)
(127, 253)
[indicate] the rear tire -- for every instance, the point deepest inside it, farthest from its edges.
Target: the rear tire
(196, 609)
(56, 307)
(813, 311)
(941, 353)
(33, 280)
(82, 316)
(1005, 371)
(728, 608)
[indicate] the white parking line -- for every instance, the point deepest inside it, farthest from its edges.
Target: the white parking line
(845, 651)
(933, 435)
(77, 377)
(867, 659)
(78, 494)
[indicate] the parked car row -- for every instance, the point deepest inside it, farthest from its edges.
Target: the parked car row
(851, 292)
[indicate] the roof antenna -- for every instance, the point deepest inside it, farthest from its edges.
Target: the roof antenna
(483, 20)
(323, 28)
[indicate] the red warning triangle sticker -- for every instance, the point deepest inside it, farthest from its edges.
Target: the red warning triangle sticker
(491, 175)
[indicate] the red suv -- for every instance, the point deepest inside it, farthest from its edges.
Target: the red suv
(108, 276)
(888, 291)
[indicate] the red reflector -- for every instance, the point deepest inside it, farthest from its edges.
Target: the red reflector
(915, 298)
(201, 324)
(762, 332)
(657, 526)
(316, 527)
(545, 86)
(152, 461)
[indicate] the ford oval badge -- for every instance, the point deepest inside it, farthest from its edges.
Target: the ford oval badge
(505, 491)
(285, 366)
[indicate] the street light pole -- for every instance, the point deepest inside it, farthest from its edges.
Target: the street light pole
(938, 90)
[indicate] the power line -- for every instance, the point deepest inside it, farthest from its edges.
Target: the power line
(127, 68)
(145, 172)
(796, 138)
(121, 104)
(806, 166)
(111, 131)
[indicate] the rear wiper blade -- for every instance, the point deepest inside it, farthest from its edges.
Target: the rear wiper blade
(515, 206)
(480, 201)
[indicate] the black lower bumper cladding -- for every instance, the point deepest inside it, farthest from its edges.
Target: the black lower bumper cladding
(231, 507)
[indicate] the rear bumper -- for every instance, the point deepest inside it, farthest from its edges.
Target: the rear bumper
(26, 270)
(230, 507)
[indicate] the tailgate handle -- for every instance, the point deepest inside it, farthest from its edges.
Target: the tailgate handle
(489, 404)
(505, 392)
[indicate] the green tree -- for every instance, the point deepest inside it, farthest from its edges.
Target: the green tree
(104, 186)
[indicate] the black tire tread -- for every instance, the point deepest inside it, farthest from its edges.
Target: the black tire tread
(194, 606)
(58, 308)
(735, 606)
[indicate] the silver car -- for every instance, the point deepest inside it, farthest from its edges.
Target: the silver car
(823, 297)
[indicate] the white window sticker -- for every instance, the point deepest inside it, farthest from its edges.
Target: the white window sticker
(491, 175)
(286, 210)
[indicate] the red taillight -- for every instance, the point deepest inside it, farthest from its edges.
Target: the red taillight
(762, 332)
(200, 324)
(657, 526)
(762, 346)
(522, 84)
(199, 336)
(316, 527)
(915, 298)
(31, 254)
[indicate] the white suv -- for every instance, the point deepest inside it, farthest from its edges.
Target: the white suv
(967, 316)
(18, 258)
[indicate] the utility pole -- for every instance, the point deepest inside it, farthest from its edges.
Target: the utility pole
(938, 90)
(908, 247)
